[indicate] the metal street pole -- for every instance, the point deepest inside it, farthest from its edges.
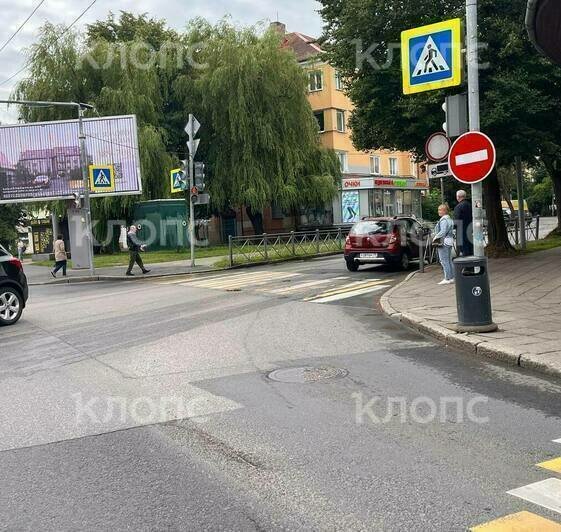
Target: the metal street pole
(442, 195)
(86, 185)
(474, 121)
(83, 163)
(521, 210)
(191, 185)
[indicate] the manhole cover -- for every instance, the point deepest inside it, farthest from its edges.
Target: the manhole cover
(307, 374)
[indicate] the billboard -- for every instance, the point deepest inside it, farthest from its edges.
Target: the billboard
(41, 161)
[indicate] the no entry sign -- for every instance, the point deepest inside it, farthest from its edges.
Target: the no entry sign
(472, 157)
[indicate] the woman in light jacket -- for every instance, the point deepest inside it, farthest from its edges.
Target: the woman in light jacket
(444, 239)
(60, 256)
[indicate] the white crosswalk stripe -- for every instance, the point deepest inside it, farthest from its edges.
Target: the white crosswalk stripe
(287, 283)
(301, 286)
(545, 493)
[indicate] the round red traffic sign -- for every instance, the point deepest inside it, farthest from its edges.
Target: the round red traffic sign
(472, 157)
(437, 147)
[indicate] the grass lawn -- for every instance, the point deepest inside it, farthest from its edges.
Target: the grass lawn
(151, 257)
(550, 242)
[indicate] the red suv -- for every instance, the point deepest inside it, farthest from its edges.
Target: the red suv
(390, 240)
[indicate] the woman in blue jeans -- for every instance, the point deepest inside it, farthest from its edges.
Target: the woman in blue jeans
(444, 237)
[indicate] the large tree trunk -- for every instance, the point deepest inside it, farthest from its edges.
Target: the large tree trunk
(256, 219)
(497, 232)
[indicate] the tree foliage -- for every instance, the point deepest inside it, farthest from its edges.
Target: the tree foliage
(10, 217)
(260, 140)
(520, 91)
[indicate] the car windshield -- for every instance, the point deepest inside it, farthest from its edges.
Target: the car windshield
(371, 228)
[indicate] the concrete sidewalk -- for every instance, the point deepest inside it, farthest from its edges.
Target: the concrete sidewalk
(42, 274)
(526, 293)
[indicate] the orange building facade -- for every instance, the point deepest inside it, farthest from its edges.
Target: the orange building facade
(374, 183)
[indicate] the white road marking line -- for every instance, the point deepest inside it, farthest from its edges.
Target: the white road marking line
(473, 157)
(250, 281)
(557, 441)
(302, 286)
(348, 295)
(345, 288)
(546, 493)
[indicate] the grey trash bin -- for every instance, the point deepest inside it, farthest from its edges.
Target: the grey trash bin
(473, 295)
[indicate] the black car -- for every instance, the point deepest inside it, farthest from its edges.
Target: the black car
(13, 288)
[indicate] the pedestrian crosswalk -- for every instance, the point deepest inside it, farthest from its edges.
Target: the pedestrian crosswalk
(544, 493)
(287, 284)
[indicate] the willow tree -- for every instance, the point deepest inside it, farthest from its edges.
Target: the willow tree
(259, 135)
(119, 73)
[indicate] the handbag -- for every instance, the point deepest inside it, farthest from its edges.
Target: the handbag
(438, 242)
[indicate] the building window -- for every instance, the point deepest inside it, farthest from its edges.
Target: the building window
(341, 123)
(342, 155)
(277, 213)
(339, 81)
(375, 165)
(315, 81)
(320, 117)
(393, 166)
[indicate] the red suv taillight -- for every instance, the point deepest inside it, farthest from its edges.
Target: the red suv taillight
(17, 263)
(348, 240)
(394, 238)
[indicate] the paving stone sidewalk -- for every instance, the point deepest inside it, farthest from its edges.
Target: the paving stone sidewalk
(526, 293)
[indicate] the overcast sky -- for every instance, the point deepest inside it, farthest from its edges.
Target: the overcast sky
(298, 15)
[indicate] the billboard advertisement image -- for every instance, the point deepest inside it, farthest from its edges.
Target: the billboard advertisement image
(41, 161)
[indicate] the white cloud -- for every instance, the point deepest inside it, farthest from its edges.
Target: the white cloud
(299, 15)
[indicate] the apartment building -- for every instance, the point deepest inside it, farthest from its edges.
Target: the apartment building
(374, 183)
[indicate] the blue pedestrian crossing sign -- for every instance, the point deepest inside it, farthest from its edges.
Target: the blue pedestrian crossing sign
(102, 178)
(178, 181)
(431, 57)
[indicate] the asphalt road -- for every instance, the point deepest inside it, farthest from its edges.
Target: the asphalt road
(148, 405)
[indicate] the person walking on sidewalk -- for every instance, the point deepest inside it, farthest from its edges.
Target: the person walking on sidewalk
(21, 249)
(135, 248)
(463, 218)
(444, 240)
(60, 257)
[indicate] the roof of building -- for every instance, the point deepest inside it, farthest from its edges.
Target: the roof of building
(303, 46)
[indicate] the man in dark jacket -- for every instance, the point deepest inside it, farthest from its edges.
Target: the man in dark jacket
(463, 219)
(135, 247)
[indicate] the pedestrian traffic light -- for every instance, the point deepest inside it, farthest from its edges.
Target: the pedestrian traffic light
(200, 176)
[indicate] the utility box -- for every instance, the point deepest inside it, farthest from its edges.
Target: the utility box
(164, 224)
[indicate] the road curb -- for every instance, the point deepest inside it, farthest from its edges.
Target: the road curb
(464, 341)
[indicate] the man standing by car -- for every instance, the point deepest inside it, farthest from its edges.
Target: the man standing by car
(463, 219)
(135, 247)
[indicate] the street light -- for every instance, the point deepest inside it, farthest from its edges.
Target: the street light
(83, 163)
(543, 20)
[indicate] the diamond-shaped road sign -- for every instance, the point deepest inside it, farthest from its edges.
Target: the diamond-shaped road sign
(193, 146)
(192, 126)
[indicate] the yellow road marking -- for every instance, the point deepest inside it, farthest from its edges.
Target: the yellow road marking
(519, 522)
(552, 465)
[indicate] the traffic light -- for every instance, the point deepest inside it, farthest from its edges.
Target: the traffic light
(200, 176)
(455, 108)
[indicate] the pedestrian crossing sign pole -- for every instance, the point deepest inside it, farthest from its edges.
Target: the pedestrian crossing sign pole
(102, 178)
(431, 57)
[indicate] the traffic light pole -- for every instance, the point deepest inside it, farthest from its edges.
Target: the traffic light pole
(474, 121)
(190, 195)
